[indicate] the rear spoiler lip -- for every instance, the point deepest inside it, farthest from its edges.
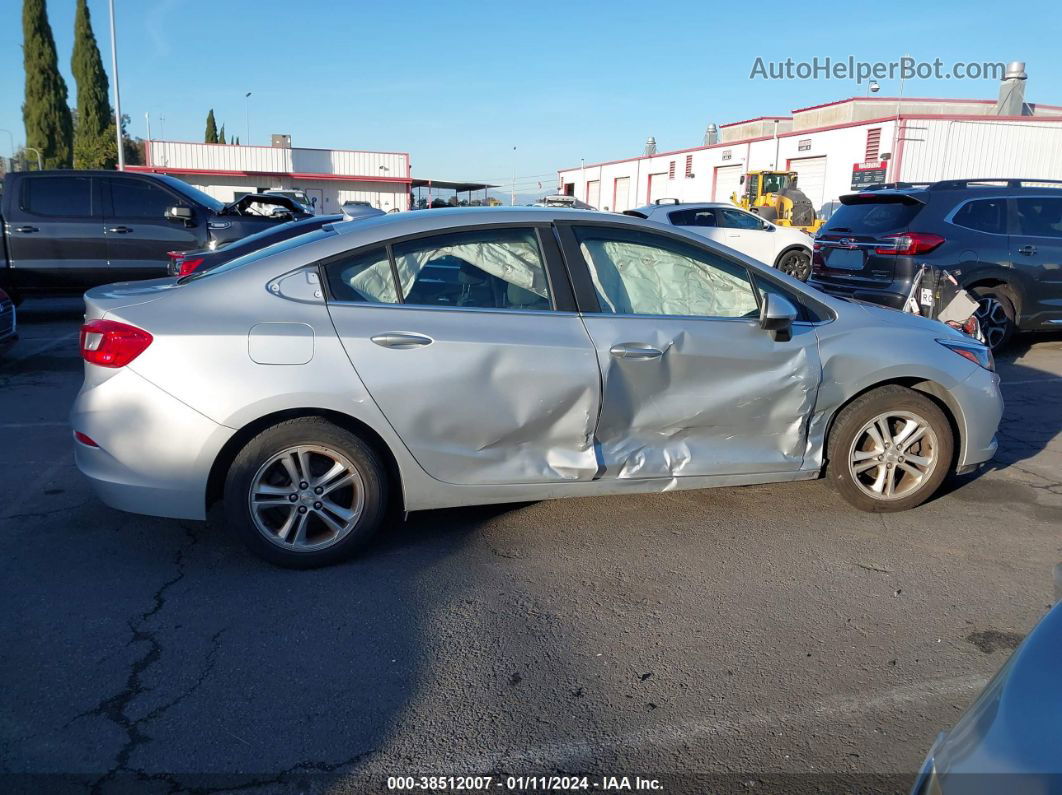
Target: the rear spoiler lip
(884, 197)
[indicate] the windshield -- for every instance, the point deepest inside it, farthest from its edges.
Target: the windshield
(872, 217)
(254, 256)
(196, 195)
(773, 183)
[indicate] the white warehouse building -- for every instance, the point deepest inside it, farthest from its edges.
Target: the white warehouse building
(839, 147)
(331, 176)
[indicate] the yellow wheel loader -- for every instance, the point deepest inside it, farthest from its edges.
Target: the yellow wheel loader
(774, 196)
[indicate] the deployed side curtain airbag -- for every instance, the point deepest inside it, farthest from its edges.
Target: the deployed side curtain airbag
(515, 262)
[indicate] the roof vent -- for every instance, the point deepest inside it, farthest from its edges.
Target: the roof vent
(650, 146)
(1011, 100)
(711, 134)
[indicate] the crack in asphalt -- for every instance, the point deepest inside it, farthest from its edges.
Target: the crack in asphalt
(115, 708)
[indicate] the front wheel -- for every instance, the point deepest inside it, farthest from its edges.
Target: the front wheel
(305, 493)
(890, 450)
(796, 263)
(996, 316)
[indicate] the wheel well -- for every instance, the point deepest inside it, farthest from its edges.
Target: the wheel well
(219, 470)
(930, 389)
(1015, 297)
(787, 249)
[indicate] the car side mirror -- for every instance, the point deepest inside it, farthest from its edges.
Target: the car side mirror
(777, 315)
(178, 213)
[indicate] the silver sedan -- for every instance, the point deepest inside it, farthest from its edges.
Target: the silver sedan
(459, 357)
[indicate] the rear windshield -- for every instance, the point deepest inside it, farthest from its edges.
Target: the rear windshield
(873, 217)
(254, 256)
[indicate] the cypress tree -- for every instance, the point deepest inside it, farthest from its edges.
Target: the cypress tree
(221, 135)
(94, 140)
(46, 115)
(211, 136)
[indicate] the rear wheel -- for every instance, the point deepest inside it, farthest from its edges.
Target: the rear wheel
(995, 314)
(890, 450)
(305, 493)
(796, 263)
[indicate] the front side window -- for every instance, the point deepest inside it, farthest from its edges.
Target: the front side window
(735, 219)
(637, 273)
(983, 215)
(490, 269)
(133, 198)
(58, 197)
(703, 216)
(1040, 216)
(364, 277)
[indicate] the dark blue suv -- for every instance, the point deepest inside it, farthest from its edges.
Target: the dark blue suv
(1000, 238)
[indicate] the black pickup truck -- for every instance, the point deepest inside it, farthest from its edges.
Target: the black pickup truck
(66, 231)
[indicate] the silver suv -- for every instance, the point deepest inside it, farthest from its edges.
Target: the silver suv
(466, 356)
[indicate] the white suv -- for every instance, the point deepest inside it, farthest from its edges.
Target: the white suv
(789, 250)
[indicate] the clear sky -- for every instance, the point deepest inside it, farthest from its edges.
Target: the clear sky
(458, 84)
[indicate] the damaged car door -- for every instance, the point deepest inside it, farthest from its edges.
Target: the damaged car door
(470, 344)
(692, 385)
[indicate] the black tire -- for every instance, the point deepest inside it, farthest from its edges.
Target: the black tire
(322, 439)
(850, 437)
(996, 314)
(796, 262)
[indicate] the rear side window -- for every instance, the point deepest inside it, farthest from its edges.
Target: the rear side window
(873, 217)
(69, 197)
(1040, 216)
(133, 198)
(365, 278)
(735, 219)
(983, 215)
(704, 216)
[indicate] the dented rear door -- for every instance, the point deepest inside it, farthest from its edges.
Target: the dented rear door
(691, 385)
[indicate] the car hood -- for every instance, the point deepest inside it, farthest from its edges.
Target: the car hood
(895, 317)
(110, 297)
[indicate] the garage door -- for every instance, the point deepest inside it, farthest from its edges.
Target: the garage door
(657, 187)
(620, 193)
(811, 178)
(593, 193)
(727, 181)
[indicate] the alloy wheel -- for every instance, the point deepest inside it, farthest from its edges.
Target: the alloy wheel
(893, 455)
(306, 498)
(994, 321)
(797, 264)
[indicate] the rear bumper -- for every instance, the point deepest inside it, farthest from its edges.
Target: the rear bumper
(154, 453)
(889, 297)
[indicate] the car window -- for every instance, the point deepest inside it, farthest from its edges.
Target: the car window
(69, 197)
(493, 269)
(192, 193)
(764, 285)
(983, 215)
(133, 198)
(1040, 216)
(365, 277)
(702, 216)
(637, 273)
(735, 219)
(872, 217)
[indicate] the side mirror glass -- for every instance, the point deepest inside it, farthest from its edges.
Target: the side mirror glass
(777, 315)
(178, 213)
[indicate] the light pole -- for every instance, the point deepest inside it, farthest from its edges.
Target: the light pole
(40, 163)
(11, 135)
(512, 197)
(247, 108)
(117, 94)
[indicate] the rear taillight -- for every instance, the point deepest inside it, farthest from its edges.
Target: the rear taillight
(910, 243)
(85, 439)
(108, 343)
(186, 266)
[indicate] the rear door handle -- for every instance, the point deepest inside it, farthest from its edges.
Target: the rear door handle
(27, 229)
(1028, 251)
(401, 340)
(635, 350)
(119, 230)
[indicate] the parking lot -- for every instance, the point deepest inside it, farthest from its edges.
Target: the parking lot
(760, 631)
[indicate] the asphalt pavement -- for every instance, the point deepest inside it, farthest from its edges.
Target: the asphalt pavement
(715, 639)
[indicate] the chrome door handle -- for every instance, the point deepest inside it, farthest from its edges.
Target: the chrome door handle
(1028, 251)
(27, 229)
(119, 230)
(635, 350)
(401, 340)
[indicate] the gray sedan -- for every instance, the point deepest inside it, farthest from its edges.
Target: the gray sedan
(461, 357)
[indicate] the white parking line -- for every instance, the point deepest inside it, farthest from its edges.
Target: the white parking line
(55, 343)
(681, 735)
(7, 425)
(1031, 381)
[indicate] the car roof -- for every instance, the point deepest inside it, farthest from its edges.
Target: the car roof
(445, 218)
(650, 208)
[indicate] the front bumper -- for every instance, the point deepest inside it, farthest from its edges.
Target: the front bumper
(154, 453)
(980, 405)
